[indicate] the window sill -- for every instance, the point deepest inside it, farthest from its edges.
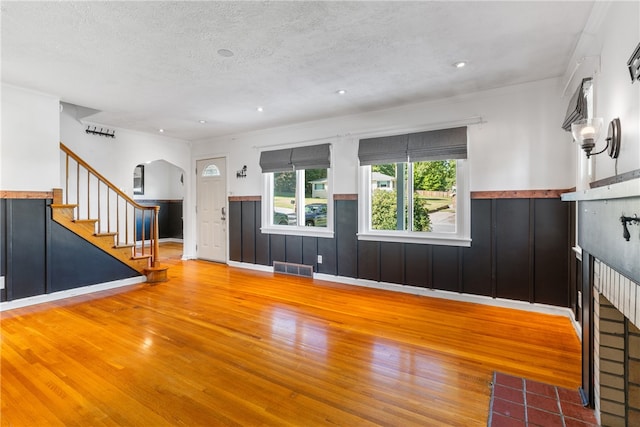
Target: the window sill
(435, 239)
(298, 231)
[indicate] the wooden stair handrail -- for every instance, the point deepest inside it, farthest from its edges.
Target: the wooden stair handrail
(98, 175)
(127, 200)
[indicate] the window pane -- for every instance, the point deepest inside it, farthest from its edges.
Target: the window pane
(315, 197)
(284, 198)
(388, 196)
(211, 170)
(434, 202)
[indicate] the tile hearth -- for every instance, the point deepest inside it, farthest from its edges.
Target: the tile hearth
(522, 402)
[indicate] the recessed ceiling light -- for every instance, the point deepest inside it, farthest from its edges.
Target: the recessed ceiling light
(460, 64)
(259, 109)
(160, 130)
(225, 52)
(341, 91)
(202, 122)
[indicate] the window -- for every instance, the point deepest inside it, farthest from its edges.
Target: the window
(210, 170)
(413, 188)
(296, 194)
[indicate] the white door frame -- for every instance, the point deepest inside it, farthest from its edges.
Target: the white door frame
(195, 228)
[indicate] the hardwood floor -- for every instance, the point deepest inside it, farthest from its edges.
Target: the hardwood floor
(224, 346)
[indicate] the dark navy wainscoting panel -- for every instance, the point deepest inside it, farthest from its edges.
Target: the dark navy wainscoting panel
(169, 219)
(552, 262)
(235, 231)
(346, 229)
(310, 251)
(278, 248)
(477, 263)
(417, 265)
(39, 256)
(327, 248)
(248, 215)
(76, 262)
(263, 253)
(392, 262)
(3, 246)
(512, 248)
(293, 249)
(26, 248)
(520, 250)
(446, 268)
(369, 260)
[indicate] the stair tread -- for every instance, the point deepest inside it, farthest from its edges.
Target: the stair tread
(138, 256)
(123, 246)
(63, 205)
(110, 234)
(85, 220)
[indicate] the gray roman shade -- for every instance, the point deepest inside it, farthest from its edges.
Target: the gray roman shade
(288, 159)
(276, 161)
(577, 109)
(386, 149)
(414, 147)
(441, 144)
(311, 157)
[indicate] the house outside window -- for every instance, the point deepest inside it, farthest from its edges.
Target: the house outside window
(297, 191)
(413, 188)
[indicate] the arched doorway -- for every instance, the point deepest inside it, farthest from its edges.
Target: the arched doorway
(161, 183)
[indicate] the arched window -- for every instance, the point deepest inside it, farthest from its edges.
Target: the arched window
(211, 170)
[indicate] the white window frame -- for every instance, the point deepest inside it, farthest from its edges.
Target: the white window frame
(462, 236)
(268, 227)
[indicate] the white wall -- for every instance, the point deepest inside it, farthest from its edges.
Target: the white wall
(520, 145)
(609, 39)
(162, 181)
(115, 158)
(30, 138)
(615, 95)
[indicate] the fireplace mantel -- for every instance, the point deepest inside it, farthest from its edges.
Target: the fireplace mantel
(620, 190)
(600, 229)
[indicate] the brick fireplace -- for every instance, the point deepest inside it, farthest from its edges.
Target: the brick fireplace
(610, 299)
(616, 347)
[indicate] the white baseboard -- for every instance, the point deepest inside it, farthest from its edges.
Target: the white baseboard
(39, 299)
(247, 266)
(434, 293)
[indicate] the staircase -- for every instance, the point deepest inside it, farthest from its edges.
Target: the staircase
(99, 212)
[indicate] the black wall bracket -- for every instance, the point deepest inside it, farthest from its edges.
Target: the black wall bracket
(626, 220)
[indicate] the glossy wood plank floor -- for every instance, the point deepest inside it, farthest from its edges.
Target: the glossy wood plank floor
(223, 346)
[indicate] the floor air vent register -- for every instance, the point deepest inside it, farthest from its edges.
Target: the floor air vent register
(293, 269)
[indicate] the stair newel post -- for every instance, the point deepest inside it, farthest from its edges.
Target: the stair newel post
(156, 234)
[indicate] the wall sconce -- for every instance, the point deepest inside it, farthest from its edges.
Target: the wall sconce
(242, 173)
(628, 220)
(587, 133)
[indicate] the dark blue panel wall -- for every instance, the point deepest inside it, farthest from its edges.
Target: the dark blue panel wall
(3, 246)
(75, 262)
(552, 265)
(39, 256)
(477, 273)
(26, 234)
(512, 248)
(169, 219)
(520, 251)
(248, 218)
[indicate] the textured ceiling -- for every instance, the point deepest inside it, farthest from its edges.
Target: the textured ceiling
(150, 65)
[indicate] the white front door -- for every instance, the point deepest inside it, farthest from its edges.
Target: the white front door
(211, 210)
